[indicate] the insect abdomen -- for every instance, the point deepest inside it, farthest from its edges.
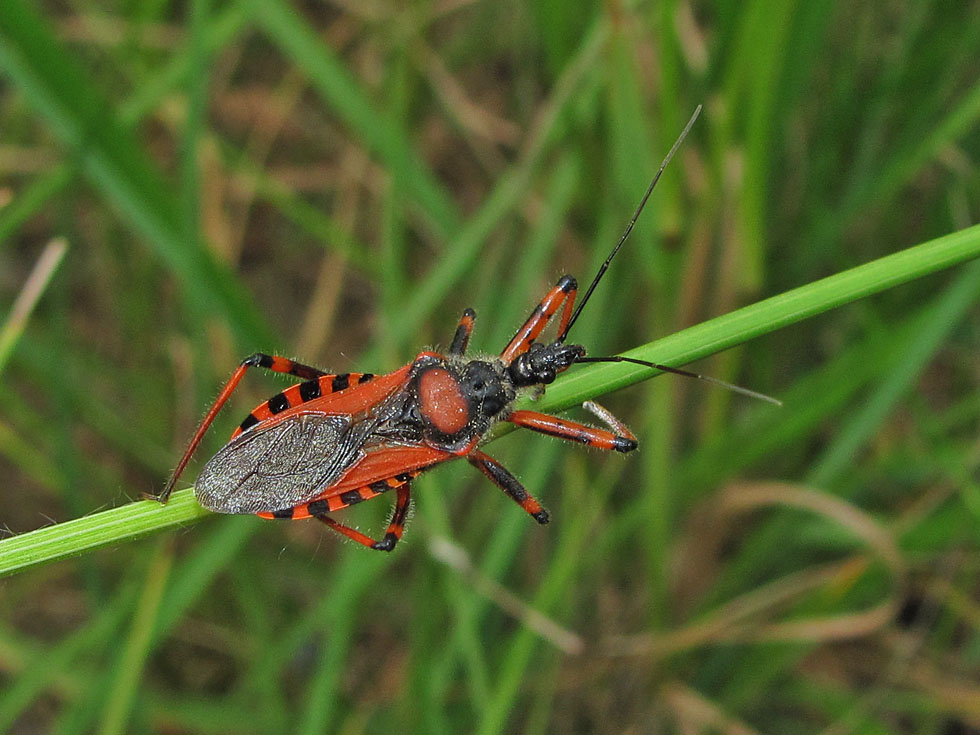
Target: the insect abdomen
(302, 393)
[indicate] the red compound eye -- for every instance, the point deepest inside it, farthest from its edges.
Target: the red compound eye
(442, 401)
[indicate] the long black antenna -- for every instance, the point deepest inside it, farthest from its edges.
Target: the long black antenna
(629, 227)
(686, 373)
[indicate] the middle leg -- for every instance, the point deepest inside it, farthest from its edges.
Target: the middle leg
(461, 339)
(502, 478)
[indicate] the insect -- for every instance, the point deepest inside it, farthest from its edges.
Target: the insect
(335, 440)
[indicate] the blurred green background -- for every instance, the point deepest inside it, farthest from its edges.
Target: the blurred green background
(336, 181)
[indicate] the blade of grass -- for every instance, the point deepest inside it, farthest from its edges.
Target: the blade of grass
(464, 646)
(132, 658)
(221, 30)
(337, 626)
(811, 401)
(138, 519)
(32, 199)
(37, 282)
(903, 367)
(41, 675)
(509, 190)
(881, 185)
(101, 529)
(767, 27)
(931, 330)
(195, 122)
(523, 645)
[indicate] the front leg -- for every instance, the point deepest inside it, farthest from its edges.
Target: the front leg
(563, 293)
(622, 440)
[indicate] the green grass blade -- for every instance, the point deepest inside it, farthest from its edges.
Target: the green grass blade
(139, 519)
(132, 658)
(510, 188)
(101, 529)
(43, 672)
(931, 330)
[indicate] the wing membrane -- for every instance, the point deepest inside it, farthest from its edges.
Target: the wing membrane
(281, 465)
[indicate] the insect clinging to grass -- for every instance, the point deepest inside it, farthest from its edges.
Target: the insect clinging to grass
(335, 440)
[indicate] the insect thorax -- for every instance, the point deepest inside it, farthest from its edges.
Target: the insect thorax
(450, 401)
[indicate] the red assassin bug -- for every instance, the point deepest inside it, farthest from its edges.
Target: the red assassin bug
(338, 439)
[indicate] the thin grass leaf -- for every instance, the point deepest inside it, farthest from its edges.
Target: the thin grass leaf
(511, 187)
(13, 326)
(101, 529)
(139, 519)
(136, 647)
(41, 675)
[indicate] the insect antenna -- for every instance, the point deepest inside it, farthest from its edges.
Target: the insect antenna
(629, 227)
(687, 374)
(605, 266)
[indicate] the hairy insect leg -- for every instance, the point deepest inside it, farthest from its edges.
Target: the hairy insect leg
(395, 528)
(563, 293)
(606, 416)
(273, 363)
(461, 339)
(502, 478)
(620, 439)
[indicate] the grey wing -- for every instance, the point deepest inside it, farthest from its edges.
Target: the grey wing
(280, 466)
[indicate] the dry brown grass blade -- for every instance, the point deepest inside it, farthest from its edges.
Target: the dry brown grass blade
(742, 619)
(38, 280)
(456, 557)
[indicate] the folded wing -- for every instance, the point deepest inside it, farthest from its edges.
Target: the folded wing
(281, 465)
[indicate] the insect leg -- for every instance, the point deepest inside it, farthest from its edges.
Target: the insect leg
(462, 337)
(269, 362)
(621, 441)
(395, 528)
(502, 478)
(606, 416)
(278, 364)
(563, 293)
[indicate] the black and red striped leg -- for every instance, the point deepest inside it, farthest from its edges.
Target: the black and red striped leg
(563, 293)
(269, 362)
(395, 528)
(461, 339)
(502, 478)
(620, 439)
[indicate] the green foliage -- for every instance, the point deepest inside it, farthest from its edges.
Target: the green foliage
(337, 183)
